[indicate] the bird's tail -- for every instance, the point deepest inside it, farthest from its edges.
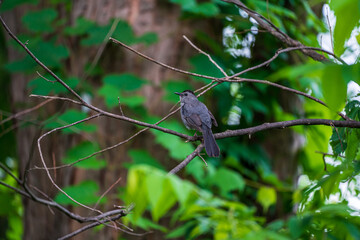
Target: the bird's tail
(211, 147)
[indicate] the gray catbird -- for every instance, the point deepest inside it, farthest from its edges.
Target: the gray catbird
(195, 115)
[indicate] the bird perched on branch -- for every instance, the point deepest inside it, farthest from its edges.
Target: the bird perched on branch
(195, 115)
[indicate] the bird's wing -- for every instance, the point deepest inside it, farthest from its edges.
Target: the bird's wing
(195, 121)
(213, 119)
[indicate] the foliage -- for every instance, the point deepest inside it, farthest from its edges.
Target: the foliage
(237, 196)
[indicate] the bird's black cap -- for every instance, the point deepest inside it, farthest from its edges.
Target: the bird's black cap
(186, 91)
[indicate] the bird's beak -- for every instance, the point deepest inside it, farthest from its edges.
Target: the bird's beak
(177, 93)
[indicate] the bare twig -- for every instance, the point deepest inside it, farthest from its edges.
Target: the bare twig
(206, 54)
(106, 192)
(160, 63)
(187, 160)
(52, 81)
(102, 47)
(17, 115)
(199, 155)
(121, 111)
(91, 225)
(285, 124)
(44, 164)
(277, 53)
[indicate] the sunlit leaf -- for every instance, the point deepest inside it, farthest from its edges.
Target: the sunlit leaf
(227, 180)
(334, 87)
(266, 196)
(347, 14)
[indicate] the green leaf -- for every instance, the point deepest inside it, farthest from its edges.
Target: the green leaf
(334, 87)
(124, 82)
(178, 148)
(146, 224)
(111, 95)
(160, 194)
(71, 116)
(196, 168)
(136, 190)
(6, 203)
(266, 8)
(148, 38)
(46, 52)
(95, 34)
(227, 180)
(352, 144)
(51, 54)
(9, 5)
(83, 150)
(154, 184)
(25, 65)
(297, 225)
(181, 231)
(347, 14)
(207, 9)
(311, 70)
(41, 20)
(40, 86)
(203, 66)
(82, 26)
(182, 190)
(185, 4)
(266, 196)
(85, 193)
(124, 33)
(140, 156)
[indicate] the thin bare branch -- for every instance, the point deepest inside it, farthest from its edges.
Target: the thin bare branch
(187, 160)
(47, 170)
(56, 98)
(160, 63)
(206, 54)
(91, 225)
(106, 192)
(52, 81)
(277, 53)
(17, 115)
(285, 124)
(121, 111)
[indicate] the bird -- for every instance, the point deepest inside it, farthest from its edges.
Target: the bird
(195, 115)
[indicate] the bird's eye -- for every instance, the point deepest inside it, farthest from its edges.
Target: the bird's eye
(185, 94)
